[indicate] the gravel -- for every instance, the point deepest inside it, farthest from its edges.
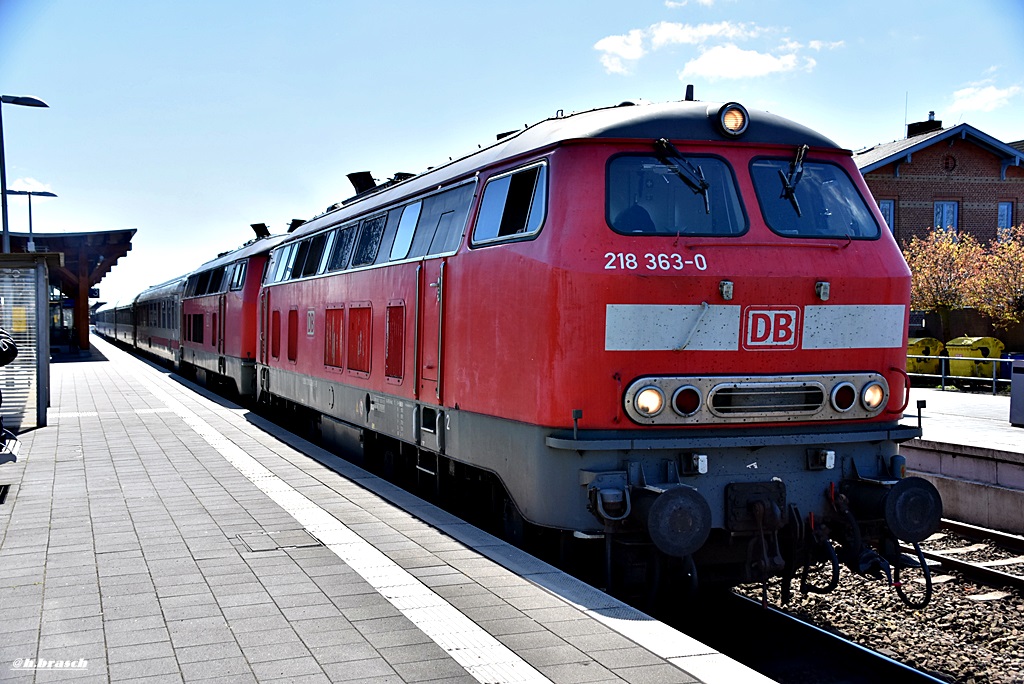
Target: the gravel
(968, 633)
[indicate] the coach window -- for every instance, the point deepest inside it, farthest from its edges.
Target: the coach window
(343, 242)
(406, 228)
(818, 201)
(513, 205)
(370, 234)
(682, 194)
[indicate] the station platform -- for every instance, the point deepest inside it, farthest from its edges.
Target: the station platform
(972, 454)
(155, 533)
(968, 419)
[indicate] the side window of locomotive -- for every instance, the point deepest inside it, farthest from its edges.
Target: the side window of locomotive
(406, 228)
(370, 233)
(684, 195)
(513, 205)
(820, 201)
(282, 258)
(238, 275)
(202, 284)
(344, 240)
(441, 221)
(299, 260)
(314, 254)
(216, 280)
(325, 257)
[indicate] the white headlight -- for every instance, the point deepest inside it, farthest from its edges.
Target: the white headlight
(872, 396)
(649, 401)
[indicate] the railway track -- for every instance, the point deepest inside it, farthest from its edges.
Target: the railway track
(988, 556)
(790, 650)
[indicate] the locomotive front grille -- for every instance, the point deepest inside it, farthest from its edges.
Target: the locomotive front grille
(709, 400)
(761, 399)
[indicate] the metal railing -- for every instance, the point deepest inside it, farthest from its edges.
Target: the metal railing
(946, 377)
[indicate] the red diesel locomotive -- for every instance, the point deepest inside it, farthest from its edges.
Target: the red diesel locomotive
(678, 327)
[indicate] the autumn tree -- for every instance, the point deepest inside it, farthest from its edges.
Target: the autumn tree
(998, 289)
(944, 269)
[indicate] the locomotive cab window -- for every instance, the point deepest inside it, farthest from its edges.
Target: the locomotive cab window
(513, 205)
(673, 195)
(811, 199)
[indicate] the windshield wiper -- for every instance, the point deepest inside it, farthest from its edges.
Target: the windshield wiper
(796, 172)
(692, 175)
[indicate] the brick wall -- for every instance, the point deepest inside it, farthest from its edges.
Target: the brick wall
(950, 170)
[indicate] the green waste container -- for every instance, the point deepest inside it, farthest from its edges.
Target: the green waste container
(924, 346)
(964, 352)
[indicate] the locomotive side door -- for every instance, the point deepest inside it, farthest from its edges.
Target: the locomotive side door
(430, 337)
(262, 353)
(221, 315)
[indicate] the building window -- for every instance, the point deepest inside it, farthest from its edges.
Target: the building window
(888, 209)
(946, 215)
(1005, 221)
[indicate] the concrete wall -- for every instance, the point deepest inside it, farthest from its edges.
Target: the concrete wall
(982, 487)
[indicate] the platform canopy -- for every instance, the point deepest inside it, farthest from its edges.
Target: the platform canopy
(88, 257)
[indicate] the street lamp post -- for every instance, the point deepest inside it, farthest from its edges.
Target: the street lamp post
(31, 247)
(24, 101)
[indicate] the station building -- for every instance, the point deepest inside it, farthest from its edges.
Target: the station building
(957, 178)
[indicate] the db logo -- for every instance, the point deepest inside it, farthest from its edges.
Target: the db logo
(771, 328)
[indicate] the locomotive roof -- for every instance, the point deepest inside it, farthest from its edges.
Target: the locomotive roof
(256, 246)
(680, 121)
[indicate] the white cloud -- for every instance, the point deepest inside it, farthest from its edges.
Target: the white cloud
(670, 33)
(619, 49)
(676, 4)
(724, 60)
(619, 52)
(30, 185)
(820, 45)
(730, 61)
(982, 98)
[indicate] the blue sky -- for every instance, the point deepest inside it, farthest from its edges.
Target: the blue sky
(189, 120)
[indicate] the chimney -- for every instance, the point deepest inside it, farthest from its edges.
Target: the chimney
(920, 127)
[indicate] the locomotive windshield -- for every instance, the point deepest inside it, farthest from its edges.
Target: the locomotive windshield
(811, 199)
(673, 195)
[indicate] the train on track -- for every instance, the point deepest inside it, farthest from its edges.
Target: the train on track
(680, 328)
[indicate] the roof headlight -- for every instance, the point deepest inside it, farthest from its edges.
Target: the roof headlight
(872, 396)
(733, 119)
(649, 401)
